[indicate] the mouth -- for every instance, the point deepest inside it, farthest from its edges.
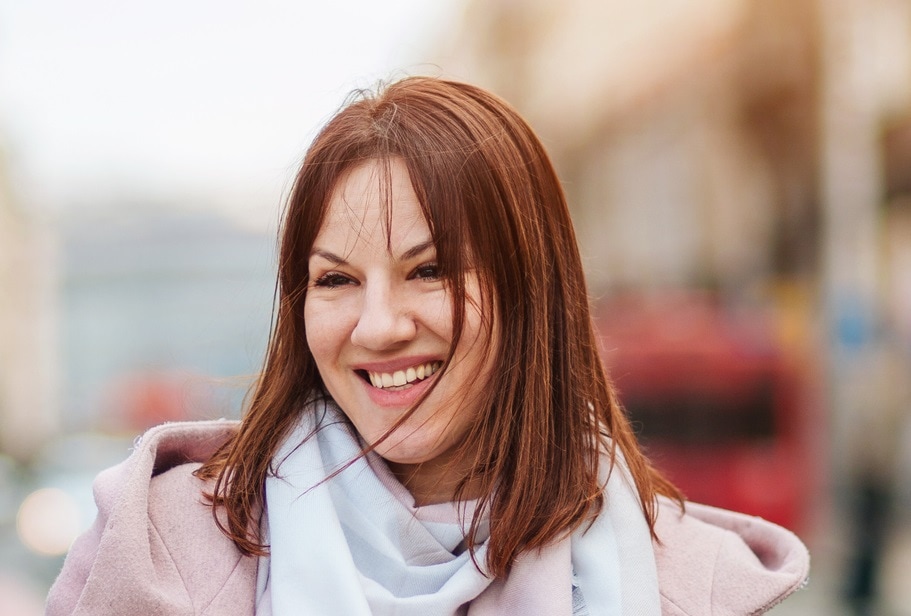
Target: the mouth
(401, 379)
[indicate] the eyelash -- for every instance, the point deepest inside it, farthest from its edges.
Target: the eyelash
(333, 280)
(434, 271)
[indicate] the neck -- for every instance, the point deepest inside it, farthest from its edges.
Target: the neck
(430, 483)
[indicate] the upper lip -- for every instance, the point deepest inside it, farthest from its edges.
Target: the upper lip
(392, 365)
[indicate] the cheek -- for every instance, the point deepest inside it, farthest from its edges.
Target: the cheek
(325, 332)
(435, 312)
(476, 335)
(479, 346)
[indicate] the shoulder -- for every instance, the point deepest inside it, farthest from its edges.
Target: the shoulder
(713, 561)
(176, 443)
(154, 545)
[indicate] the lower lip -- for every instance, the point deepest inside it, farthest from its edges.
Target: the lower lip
(401, 398)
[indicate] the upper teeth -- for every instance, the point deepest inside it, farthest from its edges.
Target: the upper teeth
(403, 377)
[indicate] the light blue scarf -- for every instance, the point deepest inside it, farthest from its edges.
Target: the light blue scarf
(357, 545)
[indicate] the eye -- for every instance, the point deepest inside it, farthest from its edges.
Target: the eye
(428, 271)
(332, 280)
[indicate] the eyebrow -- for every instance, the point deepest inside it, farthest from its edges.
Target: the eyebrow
(416, 251)
(409, 254)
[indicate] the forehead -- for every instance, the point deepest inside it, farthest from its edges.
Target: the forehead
(374, 202)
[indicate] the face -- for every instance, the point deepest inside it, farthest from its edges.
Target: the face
(379, 325)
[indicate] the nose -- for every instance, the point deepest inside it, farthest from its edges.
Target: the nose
(385, 320)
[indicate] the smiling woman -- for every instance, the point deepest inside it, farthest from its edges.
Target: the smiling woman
(433, 431)
(379, 325)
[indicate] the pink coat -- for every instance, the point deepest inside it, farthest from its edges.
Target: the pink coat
(155, 550)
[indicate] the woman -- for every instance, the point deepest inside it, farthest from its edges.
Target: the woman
(433, 431)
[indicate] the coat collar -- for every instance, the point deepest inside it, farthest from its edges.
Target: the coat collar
(157, 556)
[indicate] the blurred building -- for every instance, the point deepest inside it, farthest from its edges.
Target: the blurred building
(692, 137)
(28, 360)
(164, 315)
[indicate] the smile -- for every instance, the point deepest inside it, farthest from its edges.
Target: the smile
(403, 379)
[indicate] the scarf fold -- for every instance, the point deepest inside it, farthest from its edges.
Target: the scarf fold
(357, 545)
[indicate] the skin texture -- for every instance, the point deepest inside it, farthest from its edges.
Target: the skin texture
(376, 302)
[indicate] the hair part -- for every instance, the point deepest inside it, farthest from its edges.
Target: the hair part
(494, 204)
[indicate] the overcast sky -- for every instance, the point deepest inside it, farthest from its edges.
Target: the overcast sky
(101, 99)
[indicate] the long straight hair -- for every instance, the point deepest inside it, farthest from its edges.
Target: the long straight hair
(494, 204)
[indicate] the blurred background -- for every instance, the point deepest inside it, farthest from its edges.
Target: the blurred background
(739, 173)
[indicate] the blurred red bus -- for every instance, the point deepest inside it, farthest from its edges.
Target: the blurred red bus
(715, 401)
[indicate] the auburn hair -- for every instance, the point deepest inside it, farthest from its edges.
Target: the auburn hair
(494, 204)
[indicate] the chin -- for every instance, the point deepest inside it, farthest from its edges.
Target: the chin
(409, 453)
(402, 455)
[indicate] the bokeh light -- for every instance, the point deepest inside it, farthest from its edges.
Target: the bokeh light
(48, 521)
